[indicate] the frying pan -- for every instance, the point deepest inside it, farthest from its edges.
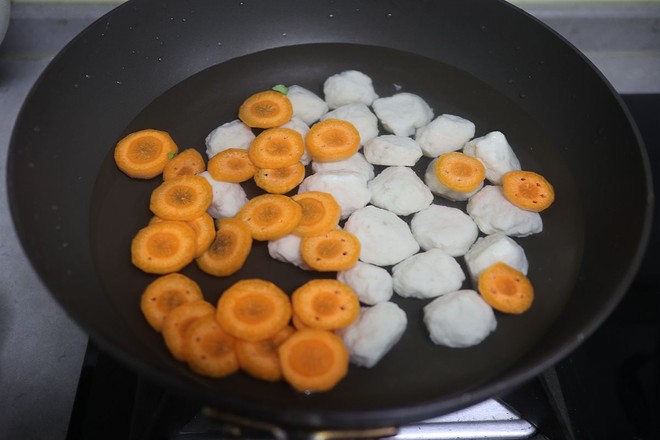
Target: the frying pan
(185, 66)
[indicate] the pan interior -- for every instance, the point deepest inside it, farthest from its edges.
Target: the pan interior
(415, 372)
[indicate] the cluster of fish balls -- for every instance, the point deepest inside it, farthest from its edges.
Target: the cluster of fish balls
(415, 259)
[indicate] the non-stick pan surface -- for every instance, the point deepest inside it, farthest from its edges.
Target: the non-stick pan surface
(185, 67)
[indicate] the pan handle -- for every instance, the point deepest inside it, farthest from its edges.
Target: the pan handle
(237, 425)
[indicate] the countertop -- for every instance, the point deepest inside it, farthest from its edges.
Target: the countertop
(41, 349)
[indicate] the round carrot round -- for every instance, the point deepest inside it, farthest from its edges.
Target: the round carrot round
(163, 247)
(276, 148)
(330, 251)
(187, 163)
(229, 250)
(506, 289)
(270, 216)
(260, 359)
(459, 172)
(204, 227)
(326, 304)
(528, 190)
(231, 165)
(332, 140)
(144, 154)
(253, 309)
(176, 323)
(266, 109)
(209, 350)
(320, 213)
(183, 198)
(313, 360)
(280, 180)
(165, 294)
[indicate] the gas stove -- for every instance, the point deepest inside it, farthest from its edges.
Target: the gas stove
(607, 388)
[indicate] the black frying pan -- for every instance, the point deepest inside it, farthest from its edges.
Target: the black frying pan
(185, 67)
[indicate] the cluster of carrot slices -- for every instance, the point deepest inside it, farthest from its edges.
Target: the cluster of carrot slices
(255, 326)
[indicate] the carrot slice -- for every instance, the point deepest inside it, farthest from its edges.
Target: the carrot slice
(266, 109)
(332, 140)
(260, 358)
(229, 250)
(187, 163)
(459, 172)
(280, 180)
(297, 323)
(163, 247)
(165, 294)
(506, 289)
(320, 213)
(313, 360)
(326, 304)
(177, 322)
(144, 154)
(333, 250)
(231, 165)
(276, 148)
(204, 227)
(528, 190)
(253, 309)
(183, 198)
(270, 216)
(209, 350)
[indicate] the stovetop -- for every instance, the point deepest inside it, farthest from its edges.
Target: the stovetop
(607, 388)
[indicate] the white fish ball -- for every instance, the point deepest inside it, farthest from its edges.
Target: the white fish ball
(347, 187)
(348, 87)
(446, 228)
(385, 239)
(493, 213)
(444, 134)
(356, 163)
(399, 190)
(228, 197)
(492, 249)
(372, 284)
(234, 134)
(402, 113)
(459, 319)
(287, 250)
(427, 275)
(494, 151)
(375, 332)
(391, 150)
(307, 105)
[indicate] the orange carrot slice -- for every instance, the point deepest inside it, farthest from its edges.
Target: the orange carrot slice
(459, 172)
(231, 165)
(253, 309)
(187, 163)
(145, 153)
(204, 227)
(320, 213)
(528, 190)
(163, 247)
(209, 350)
(176, 323)
(333, 250)
(183, 198)
(313, 360)
(332, 140)
(270, 216)
(326, 304)
(297, 323)
(280, 180)
(229, 250)
(266, 109)
(260, 359)
(165, 294)
(276, 148)
(506, 289)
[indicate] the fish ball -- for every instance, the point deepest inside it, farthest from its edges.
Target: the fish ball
(427, 275)
(348, 87)
(391, 150)
(402, 113)
(446, 228)
(399, 190)
(444, 134)
(360, 116)
(494, 248)
(228, 197)
(307, 105)
(234, 134)
(493, 213)
(356, 163)
(494, 151)
(372, 284)
(347, 187)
